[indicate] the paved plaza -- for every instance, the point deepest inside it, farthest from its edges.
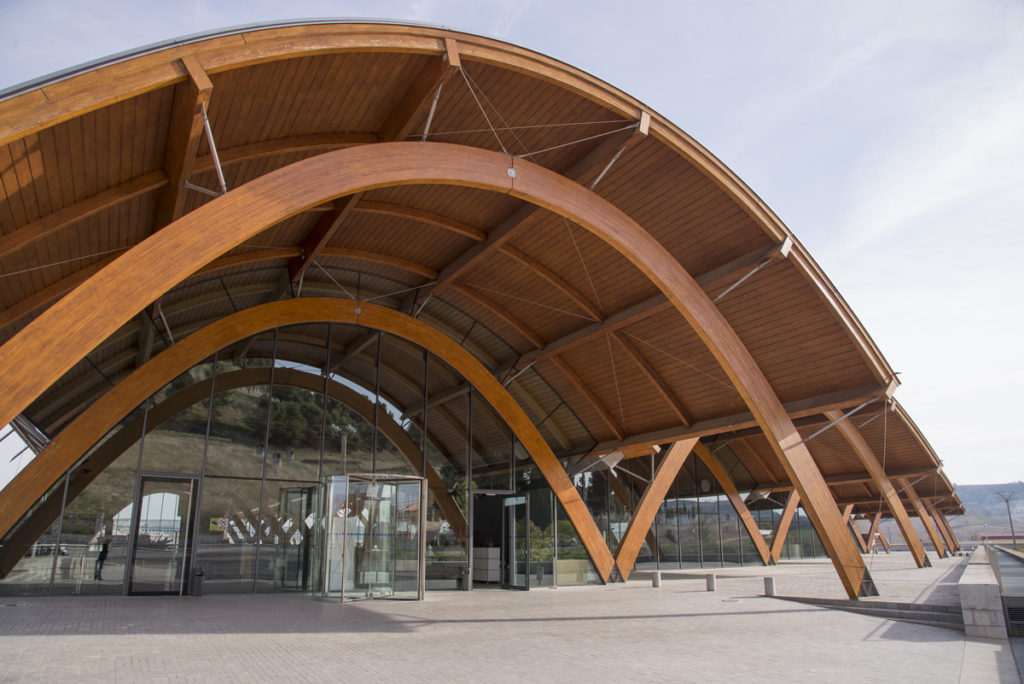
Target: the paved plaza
(627, 631)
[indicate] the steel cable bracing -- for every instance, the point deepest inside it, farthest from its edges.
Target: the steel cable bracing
(679, 360)
(583, 263)
(528, 301)
(510, 129)
(343, 289)
(66, 261)
(615, 377)
(483, 111)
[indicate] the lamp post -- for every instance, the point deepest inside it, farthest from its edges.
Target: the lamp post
(1006, 496)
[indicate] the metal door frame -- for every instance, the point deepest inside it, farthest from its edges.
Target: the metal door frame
(188, 557)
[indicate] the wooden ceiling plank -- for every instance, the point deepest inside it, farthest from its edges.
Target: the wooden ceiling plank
(420, 93)
(641, 310)
(466, 290)
(317, 238)
(555, 280)
(321, 142)
(591, 398)
(505, 230)
(431, 218)
(739, 421)
(69, 215)
(648, 370)
(24, 307)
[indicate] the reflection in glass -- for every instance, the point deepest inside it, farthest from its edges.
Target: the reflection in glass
(162, 531)
(226, 535)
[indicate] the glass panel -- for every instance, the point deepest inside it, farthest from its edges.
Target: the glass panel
(163, 525)
(574, 564)
(542, 533)
(686, 516)
(32, 573)
(406, 540)
(237, 431)
(176, 444)
(227, 533)
(369, 531)
(748, 552)
(296, 416)
(710, 530)
(284, 540)
(619, 503)
(96, 529)
(515, 551)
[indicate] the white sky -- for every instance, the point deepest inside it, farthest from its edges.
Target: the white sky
(887, 136)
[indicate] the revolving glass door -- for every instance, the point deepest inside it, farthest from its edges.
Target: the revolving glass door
(372, 541)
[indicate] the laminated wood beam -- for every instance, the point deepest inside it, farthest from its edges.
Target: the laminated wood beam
(847, 512)
(467, 290)
(319, 235)
(430, 218)
(623, 494)
(882, 482)
(782, 529)
(184, 134)
(939, 526)
(16, 312)
(729, 487)
(33, 481)
(650, 503)
(885, 542)
(858, 536)
(734, 424)
(581, 387)
(79, 211)
(590, 164)
(949, 529)
(652, 375)
(38, 355)
(555, 280)
(922, 514)
(641, 310)
(875, 520)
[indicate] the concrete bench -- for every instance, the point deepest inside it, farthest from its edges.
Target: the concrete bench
(980, 599)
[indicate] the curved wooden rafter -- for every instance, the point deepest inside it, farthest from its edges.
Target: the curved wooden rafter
(566, 370)
(427, 217)
(269, 199)
(555, 280)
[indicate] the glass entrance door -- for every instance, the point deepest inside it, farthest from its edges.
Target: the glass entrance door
(162, 531)
(515, 547)
(372, 543)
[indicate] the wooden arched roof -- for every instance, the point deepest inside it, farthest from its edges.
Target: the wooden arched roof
(94, 162)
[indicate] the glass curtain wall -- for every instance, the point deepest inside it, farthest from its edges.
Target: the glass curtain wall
(260, 428)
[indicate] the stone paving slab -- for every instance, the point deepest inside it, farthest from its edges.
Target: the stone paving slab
(631, 632)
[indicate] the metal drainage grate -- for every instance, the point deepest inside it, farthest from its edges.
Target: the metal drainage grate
(1013, 607)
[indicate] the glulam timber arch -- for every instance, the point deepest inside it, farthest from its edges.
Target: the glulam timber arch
(41, 517)
(38, 355)
(33, 482)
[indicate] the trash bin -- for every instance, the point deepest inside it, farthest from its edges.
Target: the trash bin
(198, 576)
